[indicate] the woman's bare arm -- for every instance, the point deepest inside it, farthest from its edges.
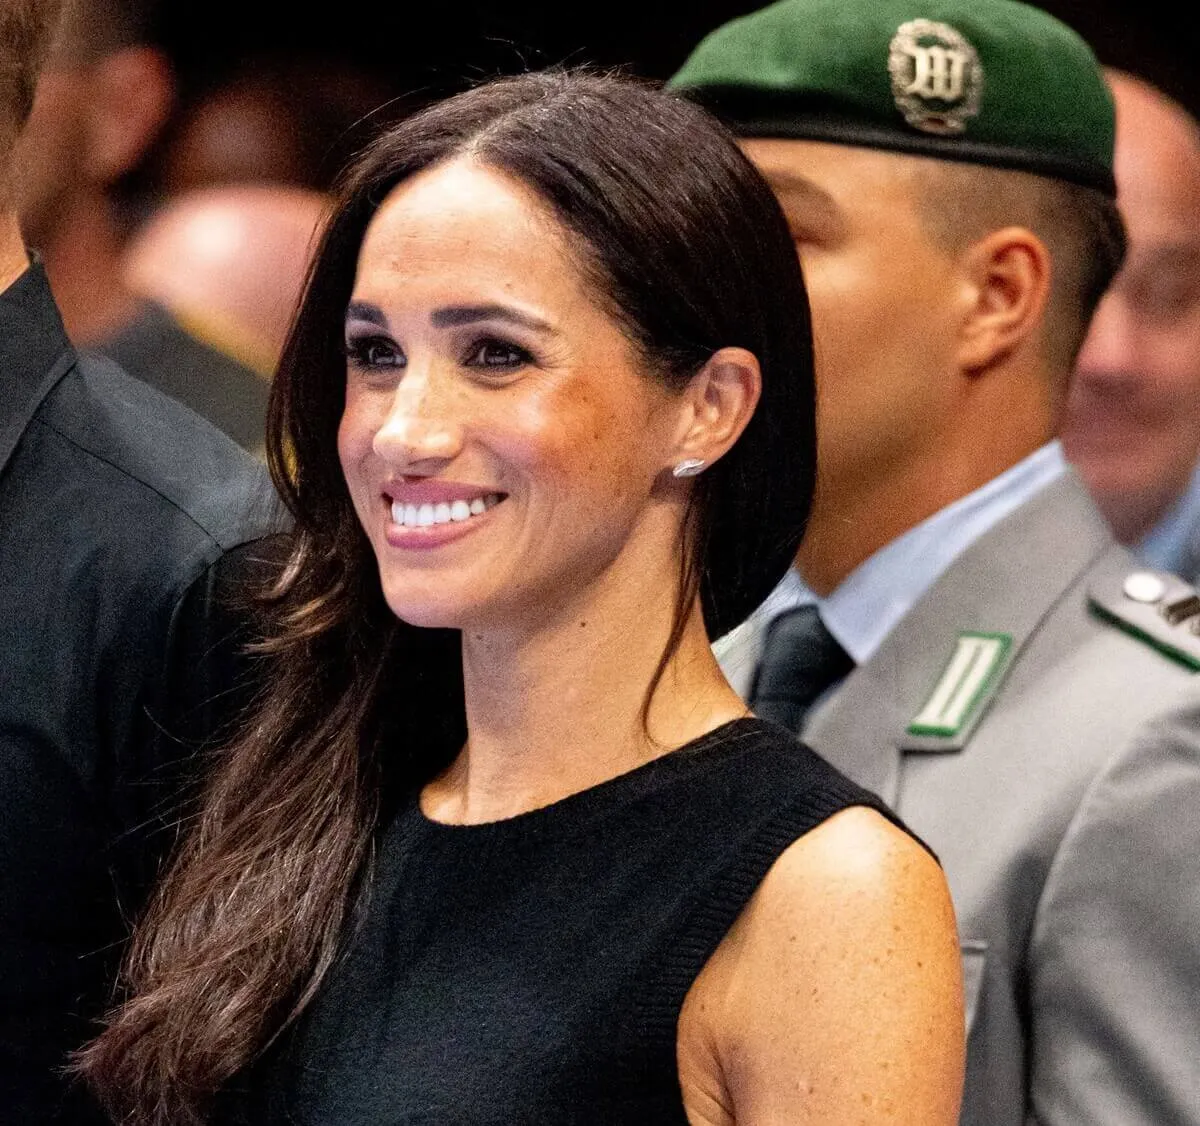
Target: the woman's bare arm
(836, 997)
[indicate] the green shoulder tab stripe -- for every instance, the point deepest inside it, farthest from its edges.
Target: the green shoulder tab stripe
(977, 661)
(1156, 640)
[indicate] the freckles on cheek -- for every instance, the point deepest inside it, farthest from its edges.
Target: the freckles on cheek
(578, 435)
(537, 429)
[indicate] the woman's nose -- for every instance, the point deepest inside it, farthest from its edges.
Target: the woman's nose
(422, 423)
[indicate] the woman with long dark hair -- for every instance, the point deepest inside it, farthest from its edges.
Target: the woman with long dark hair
(499, 844)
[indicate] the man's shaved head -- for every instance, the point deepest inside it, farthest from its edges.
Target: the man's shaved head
(962, 202)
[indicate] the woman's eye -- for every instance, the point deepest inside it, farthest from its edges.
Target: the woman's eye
(497, 354)
(373, 352)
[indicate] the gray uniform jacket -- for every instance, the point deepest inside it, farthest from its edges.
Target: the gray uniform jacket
(1057, 776)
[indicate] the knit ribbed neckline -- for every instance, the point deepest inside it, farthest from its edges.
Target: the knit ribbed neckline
(585, 806)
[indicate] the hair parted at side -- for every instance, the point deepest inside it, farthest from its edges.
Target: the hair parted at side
(26, 29)
(685, 244)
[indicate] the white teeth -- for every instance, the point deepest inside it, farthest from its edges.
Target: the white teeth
(426, 515)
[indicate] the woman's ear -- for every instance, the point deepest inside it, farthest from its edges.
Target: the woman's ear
(1008, 287)
(718, 403)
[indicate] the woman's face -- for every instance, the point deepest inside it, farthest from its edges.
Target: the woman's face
(502, 446)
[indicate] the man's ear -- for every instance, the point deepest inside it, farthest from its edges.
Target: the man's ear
(1006, 292)
(718, 403)
(131, 95)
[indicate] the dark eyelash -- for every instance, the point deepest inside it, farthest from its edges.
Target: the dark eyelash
(520, 356)
(358, 351)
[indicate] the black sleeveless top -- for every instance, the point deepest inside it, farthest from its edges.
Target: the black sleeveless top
(532, 970)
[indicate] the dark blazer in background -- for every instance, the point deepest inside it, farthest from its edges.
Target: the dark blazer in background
(158, 350)
(116, 662)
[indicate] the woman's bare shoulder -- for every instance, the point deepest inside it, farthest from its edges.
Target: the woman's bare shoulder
(836, 997)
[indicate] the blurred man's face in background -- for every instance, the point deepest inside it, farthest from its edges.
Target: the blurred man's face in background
(1133, 425)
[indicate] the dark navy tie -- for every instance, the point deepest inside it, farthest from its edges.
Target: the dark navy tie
(800, 660)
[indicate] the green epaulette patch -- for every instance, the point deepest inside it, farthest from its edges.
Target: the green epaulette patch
(1156, 607)
(962, 693)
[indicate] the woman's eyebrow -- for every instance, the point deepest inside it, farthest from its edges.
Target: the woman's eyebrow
(451, 316)
(454, 315)
(365, 311)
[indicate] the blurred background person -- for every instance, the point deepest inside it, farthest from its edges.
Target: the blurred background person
(1133, 424)
(219, 271)
(106, 93)
(190, 295)
(287, 117)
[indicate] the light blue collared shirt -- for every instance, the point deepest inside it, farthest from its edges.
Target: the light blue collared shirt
(872, 599)
(1173, 544)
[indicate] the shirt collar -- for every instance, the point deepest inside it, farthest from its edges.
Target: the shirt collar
(870, 601)
(1170, 545)
(34, 354)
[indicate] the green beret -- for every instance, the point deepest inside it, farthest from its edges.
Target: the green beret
(989, 81)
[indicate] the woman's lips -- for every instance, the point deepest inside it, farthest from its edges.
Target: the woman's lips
(430, 513)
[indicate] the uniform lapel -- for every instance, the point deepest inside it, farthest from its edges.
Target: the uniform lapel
(1002, 586)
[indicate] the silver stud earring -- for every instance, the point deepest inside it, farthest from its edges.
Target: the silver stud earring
(689, 467)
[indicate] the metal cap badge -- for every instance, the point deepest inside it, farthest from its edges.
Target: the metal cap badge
(868, 72)
(937, 79)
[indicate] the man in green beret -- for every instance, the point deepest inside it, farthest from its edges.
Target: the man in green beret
(962, 634)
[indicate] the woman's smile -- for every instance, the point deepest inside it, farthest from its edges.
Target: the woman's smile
(429, 513)
(493, 400)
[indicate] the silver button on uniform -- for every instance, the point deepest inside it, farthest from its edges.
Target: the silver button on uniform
(1144, 586)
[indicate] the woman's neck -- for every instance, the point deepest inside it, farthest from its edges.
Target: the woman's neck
(559, 709)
